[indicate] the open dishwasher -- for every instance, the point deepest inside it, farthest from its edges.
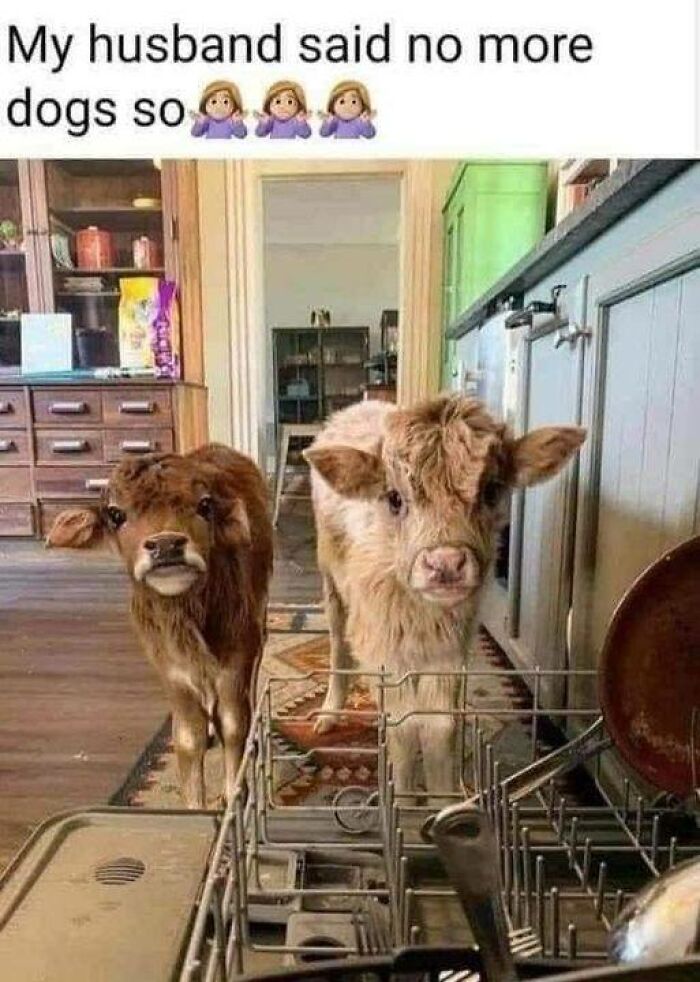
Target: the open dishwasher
(355, 886)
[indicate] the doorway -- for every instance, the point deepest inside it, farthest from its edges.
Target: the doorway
(331, 285)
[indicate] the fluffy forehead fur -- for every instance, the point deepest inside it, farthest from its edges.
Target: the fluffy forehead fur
(149, 483)
(175, 481)
(445, 448)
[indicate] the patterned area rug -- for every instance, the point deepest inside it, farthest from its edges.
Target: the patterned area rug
(313, 769)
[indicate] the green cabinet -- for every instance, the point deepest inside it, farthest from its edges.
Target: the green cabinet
(494, 213)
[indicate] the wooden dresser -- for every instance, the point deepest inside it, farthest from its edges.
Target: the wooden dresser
(59, 442)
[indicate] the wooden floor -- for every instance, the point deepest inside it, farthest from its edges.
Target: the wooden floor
(78, 702)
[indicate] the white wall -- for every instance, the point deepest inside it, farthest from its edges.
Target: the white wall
(354, 282)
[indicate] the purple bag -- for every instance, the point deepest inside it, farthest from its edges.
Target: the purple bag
(165, 333)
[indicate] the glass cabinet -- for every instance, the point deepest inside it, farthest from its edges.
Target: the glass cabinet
(13, 267)
(105, 223)
(105, 243)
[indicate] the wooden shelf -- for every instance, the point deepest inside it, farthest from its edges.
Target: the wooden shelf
(317, 342)
(88, 293)
(111, 271)
(118, 218)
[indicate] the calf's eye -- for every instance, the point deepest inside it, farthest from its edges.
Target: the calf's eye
(116, 517)
(395, 502)
(205, 507)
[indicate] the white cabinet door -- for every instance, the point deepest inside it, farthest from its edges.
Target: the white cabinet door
(542, 563)
(649, 468)
(640, 468)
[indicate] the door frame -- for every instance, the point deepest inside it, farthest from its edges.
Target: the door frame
(231, 212)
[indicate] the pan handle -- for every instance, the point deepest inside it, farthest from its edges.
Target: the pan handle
(533, 777)
(587, 744)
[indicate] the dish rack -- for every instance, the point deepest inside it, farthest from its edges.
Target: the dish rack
(350, 876)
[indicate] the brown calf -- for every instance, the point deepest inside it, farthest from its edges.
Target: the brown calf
(196, 539)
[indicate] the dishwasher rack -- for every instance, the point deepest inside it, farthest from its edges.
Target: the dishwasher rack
(286, 883)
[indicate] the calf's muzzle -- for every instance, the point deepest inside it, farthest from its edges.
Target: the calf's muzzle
(446, 573)
(166, 548)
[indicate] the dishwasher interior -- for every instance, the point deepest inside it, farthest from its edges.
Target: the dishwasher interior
(292, 884)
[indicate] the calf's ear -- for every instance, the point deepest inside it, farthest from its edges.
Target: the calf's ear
(541, 454)
(352, 473)
(77, 528)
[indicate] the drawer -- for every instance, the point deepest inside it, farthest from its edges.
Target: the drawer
(67, 406)
(127, 443)
(14, 447)
(69, 447)
(70, 482)
(137, 407)
(16, 518)
(15, 484)
(13, 408)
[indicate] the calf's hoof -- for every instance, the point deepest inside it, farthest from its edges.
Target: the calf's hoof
(325, 724)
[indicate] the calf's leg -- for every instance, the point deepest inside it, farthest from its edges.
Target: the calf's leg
(340, 656)
(233, 717)
(439, 734)
(190, 739)
(402, 734)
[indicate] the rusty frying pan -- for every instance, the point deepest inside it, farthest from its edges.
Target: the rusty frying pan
(649, 672)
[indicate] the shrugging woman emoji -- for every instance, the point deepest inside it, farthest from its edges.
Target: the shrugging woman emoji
(284, 115)
(348, 113)
(220, 115)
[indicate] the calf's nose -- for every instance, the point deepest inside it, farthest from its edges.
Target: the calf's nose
(450, 564)
(166, 546)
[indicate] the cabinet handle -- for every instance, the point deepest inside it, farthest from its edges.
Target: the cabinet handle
(69, 446)
(7, 446)
(570, 333)
(68, 408)
(96, 483)
(6, 408)
(137, 407)
(136, 446)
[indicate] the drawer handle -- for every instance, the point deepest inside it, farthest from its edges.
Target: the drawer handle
(7, 446)
(137, 407)
(6, 408)
(136, 446)
(69, 446)
(68, 408)
(96, 483)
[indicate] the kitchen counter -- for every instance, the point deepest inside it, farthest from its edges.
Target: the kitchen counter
(630, 184)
